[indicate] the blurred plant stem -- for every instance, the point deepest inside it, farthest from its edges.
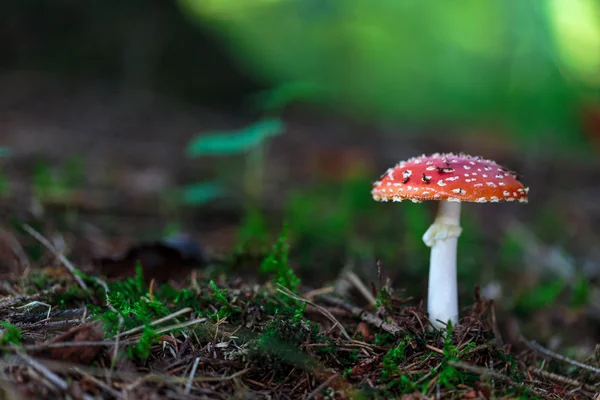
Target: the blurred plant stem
(253, 180)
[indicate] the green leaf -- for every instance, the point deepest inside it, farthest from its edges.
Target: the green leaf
(201, 193)
(234, 142)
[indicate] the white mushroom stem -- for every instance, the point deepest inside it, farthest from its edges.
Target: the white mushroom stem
(442, 237)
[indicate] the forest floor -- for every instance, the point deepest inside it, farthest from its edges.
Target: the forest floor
(69, 334)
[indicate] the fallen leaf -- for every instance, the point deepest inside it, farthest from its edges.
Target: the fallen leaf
(76, 354)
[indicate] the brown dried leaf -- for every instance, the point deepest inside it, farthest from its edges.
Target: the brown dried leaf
(76, 354)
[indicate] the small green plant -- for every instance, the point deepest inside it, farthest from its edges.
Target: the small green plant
(277, 265)
(392, 358)
(383, 298)
(10, 334)
(448, 375)
(220, 296)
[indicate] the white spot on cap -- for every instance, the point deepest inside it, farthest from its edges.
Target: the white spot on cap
(459, 191)
(441, 182)
(481, 200)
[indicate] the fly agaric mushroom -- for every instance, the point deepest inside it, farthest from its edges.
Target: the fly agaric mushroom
(450, 179)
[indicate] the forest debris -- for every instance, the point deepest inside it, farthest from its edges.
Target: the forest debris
(549, 353)
(365, 316)
(13, 301)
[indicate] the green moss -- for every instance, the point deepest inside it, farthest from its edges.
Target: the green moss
(10, 334)
(142, 349)
(132, 304)
(392, 358)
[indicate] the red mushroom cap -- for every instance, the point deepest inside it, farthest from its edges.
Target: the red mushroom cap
(449, 177)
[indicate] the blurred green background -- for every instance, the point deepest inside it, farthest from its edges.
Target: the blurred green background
(528, 67)
(226, 117)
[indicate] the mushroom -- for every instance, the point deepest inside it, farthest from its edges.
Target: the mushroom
(449, 179)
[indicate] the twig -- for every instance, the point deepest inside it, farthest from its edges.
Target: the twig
(541, 349)
(44, 346)
(188, 386)
(319, 292)
(562, 379)
(485, 371)
(51, 376)
(283, 290)
(365, 316)
(46, 243)
(50, 324)
(219, 378)
(355, 280)
(179, 326)
(322, 386)
(13, 301)
(60, 366)
(430, 347)
(156, 322)
(37, 303)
